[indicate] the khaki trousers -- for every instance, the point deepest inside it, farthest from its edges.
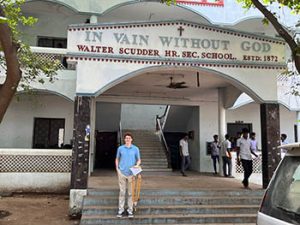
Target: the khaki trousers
(123, 181)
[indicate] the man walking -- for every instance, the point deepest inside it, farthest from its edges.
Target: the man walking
(184, 154)
(226, 157)
(128, 156)
(244, 155)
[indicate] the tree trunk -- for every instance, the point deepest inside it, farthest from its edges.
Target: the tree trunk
(281, 31)
(13, 72)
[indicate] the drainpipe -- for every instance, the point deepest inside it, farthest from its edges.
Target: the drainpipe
(298, 126)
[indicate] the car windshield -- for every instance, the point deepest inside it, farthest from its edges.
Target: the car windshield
(282, 199)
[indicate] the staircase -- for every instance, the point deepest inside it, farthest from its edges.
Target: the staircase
(152, 152)
(231, 207)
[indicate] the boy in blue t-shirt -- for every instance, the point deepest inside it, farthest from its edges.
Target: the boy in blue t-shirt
(128, 155)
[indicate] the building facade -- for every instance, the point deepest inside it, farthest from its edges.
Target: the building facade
(217, 66)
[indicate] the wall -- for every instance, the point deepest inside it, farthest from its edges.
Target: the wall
(17, 126)
(287, 121)
(35, 170)
(108, 116)
(208, 127)
(250, 113)
(140, 117)
(178, 118)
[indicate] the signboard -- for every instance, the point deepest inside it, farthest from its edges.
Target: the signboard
(174, 41)
(202, 2)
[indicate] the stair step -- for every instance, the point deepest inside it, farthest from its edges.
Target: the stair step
(170, 219)
(157, 170)
(175, 209)
(184, 193)
(179, 200)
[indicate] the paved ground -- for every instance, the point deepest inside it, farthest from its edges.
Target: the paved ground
(169, 180)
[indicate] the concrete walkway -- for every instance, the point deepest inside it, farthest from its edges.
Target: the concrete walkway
(107, 179)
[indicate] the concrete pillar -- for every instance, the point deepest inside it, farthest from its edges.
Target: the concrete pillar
(222, 115)
(270, 136)
(80, 153)
(222, 123)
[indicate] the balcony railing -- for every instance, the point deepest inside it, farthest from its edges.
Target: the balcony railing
(53, 54)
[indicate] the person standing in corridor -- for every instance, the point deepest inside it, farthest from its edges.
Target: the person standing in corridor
(128, 156)
(215, 152)
(184, 154)
(226, 157)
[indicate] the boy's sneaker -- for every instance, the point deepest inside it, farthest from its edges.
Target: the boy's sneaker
(130, 215)
(120, 214)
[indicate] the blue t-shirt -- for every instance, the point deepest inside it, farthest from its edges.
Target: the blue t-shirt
(128, 156)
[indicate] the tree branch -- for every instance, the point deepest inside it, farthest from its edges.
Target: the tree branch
(281, 31)
(13, 72)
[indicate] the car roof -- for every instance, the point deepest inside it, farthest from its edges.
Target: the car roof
(293, 148)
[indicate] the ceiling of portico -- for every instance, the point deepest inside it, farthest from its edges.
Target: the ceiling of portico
(154, 85)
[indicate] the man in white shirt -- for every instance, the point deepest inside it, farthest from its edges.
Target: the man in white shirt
(184, 153)
(226, 157)
(244, 155)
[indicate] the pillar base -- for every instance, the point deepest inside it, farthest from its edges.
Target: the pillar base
(76, 202)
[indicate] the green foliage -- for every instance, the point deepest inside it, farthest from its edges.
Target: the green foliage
(168, 2)
(34, 68)
(3, 19)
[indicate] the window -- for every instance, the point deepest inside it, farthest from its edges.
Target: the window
(282, 199)
(48, 133)
(233, 128)
(52, 42)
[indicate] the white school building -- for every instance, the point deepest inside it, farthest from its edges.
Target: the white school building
(209, 67)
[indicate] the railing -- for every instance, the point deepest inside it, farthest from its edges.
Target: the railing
(35, 170)
(164, 117)
(53, 54)
(163, 140)
(120, 133)
(238, 171)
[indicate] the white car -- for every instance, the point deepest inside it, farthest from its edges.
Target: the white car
(281, 202)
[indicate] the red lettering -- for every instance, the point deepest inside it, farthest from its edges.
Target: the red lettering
(188, 54)
(138, 51)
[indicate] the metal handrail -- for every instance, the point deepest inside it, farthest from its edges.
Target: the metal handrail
(163, 116)
(120, 133)
(162, 137)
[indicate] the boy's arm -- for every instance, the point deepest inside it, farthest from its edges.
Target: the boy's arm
(117, 163)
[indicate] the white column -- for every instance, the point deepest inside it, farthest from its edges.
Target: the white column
(298, 126)
(92, 136)
(222, 115)
(222, 123)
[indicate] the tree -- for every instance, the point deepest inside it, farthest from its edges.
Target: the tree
(270, 16)
(21, 65)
